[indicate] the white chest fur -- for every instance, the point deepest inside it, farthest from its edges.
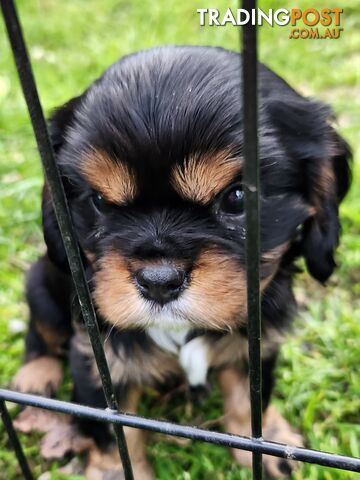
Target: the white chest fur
(193, 355)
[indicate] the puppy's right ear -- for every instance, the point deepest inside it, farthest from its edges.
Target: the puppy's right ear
(59, 123)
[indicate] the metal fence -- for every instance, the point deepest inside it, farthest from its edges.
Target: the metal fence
(255, 444)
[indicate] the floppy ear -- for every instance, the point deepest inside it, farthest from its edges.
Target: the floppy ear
(329, 181)
(323, 165)
(59, 123)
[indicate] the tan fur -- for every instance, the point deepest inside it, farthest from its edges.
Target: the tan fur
(53, 339)
(42, 375)
(90, 256)
(235, 388)
(110, 177)
(273, 256)
(132, 400)
(115, 292)
(323, 187)
(202, 177)
(232, 349)
(324, 183)
(269, 264)
(217, 292)
(237, 418)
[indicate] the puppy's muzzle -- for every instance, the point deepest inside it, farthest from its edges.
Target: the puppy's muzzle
(160, 283)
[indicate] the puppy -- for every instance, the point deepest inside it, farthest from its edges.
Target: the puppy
(151, 157)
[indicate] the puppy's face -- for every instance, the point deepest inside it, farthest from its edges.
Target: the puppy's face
(151, 156)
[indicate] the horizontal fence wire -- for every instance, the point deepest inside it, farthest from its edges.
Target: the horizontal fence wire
(251, 184)
(185, 431)
(62, 213)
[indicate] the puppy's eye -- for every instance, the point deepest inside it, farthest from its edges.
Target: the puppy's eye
(98, 200)
(233, 200)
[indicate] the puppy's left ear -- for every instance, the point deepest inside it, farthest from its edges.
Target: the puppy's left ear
(323, 159)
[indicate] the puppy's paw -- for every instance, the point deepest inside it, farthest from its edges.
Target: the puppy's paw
(33, 419)
(107, 466)
(63, 439)
(277, 429)
(42, 376)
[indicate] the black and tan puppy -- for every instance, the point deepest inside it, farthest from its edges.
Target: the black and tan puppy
(151, 157)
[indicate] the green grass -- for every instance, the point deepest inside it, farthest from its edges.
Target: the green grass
(71, 43)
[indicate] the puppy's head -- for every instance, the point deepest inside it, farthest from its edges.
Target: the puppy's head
(152, 157)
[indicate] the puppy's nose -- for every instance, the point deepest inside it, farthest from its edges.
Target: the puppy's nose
(161, 283)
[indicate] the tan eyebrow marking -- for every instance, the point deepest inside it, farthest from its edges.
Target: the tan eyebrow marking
(203, 176)
(112, 178)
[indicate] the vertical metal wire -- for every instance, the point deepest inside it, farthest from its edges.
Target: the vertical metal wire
(62, 213)
(251, 187)
(15, 442)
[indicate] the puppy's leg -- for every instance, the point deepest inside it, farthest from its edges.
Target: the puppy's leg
(103, 457)
(48, 295)
(105, 464)
(235, 387)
